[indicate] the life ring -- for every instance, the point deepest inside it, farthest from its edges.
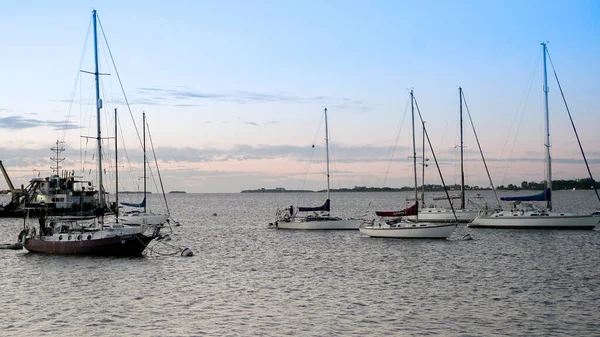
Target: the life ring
(69, 238)
(79, 237)
(59, 237)
(89, 237)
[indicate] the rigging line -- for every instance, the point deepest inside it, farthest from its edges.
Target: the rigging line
(87, 35)
(435, 159)
(522, 103)
(307, 166)
(479, 145)
(573, 125)
(120, 82)
(393, 150)
(158, 170)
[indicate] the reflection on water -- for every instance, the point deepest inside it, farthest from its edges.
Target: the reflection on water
(246, 279)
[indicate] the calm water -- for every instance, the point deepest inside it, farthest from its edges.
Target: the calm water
(249, 280)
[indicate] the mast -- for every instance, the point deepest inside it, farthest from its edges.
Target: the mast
(144, 133)
(98, 107)
(327, 150)
(116, 173)
(547, 135)
(462, 165)
(412, 108)
(423, 175)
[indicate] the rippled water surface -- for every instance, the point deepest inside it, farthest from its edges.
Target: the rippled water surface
(246, 279)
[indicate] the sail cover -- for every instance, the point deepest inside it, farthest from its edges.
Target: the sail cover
(324, 207)
(130, 204)
(412, 210)
(544, 196)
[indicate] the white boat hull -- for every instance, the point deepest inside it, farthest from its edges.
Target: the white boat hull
(414, 231)
(141, 218)
(445, 215)
(319, 224)
(516, 220)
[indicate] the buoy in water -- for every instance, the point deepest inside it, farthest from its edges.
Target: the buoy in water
(214, 214)
(186, 252)
(467, 237)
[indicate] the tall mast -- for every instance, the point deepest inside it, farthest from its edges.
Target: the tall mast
(462, 165)
(412, 109)
(98, 107)
(144, 133)
(423, 175)
(547, 135)
(327, 150)
(116, 172)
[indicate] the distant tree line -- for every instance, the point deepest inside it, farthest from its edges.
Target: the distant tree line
(579, 184)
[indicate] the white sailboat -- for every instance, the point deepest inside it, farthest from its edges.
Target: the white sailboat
(526, 215)
(137, 217)
(319, 217)
(446, 214)
(399, 227)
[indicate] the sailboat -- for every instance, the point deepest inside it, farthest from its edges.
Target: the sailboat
(77, 236)
(445, 214)
(136, 217)
(314, 217)
(525, 215)
(400, 227)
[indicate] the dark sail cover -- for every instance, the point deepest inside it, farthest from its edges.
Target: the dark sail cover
(412, 210)
(324, 207)
(130, 204)
(544, 196)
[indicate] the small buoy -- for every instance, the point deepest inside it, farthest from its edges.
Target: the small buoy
(186, 252)
(214, 214)
(177, 224)
(467, 237)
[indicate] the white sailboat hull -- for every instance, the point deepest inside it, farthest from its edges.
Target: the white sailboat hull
(141, 218)
(319, 224)
(529, 220)
(410, 231)
(445, 215)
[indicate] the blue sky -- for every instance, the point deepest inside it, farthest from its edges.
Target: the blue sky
(234, 90)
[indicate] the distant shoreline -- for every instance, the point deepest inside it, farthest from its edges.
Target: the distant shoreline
(557, 185)
(178, 192)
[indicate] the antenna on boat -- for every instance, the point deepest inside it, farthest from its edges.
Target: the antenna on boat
(58, 149)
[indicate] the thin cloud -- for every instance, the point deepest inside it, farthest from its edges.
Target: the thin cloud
(20, 123)
(251, 123)
(247, 97)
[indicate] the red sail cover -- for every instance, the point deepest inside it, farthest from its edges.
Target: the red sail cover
(412, 210)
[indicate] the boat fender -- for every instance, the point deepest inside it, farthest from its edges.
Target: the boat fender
(69, 238)
(79, 237)
(22, 235)
(59, 237)
(186, 252)
(467, 237)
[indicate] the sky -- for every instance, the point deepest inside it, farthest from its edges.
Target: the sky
(234, 91)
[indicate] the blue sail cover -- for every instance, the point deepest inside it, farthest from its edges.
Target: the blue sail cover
(324, 207)
(130, 204)
(544, 196)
